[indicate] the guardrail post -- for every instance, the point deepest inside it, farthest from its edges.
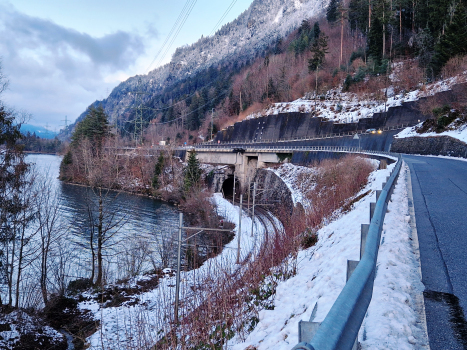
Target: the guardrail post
(372, 209)
(378, 193)
(364, 234)
(307, 329)
(351, 266)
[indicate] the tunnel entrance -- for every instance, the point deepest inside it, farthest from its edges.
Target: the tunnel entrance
(228, 186)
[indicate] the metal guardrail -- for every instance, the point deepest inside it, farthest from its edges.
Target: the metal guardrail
(339, 329)
(264, 148)
(307, 138)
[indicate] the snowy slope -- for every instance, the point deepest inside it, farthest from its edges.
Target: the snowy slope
(392, 321)
(460, 134)
(257, 27)
(346, 107)
(137, 323)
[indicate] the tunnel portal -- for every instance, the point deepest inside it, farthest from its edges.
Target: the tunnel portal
(228, 186)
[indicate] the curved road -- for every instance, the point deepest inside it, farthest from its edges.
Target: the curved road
(439, 189)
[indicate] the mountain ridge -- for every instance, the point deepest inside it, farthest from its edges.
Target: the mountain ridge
(254, 30)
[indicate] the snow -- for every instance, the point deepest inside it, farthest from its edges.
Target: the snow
(298, 179)
(460, 134)
(347, 107)
(19, 324)
(392, 321)
(279, 15)
(395, 316)
(132, 324)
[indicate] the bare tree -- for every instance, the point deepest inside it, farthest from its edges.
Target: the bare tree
(48, 220)
(104, 219)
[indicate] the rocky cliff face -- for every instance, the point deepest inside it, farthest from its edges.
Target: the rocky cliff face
(272, 191)
(251, 32)
(436, 145)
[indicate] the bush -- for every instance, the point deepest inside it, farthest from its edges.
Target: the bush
(357, 54)
(79, 285)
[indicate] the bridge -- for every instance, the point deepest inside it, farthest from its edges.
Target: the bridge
(244, 160)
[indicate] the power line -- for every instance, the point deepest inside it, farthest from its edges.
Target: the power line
(223, 17)
(168, 36)
(178, 31)
(181, 19)
(168, 42)
(197, 109)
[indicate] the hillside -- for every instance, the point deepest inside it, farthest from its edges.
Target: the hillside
(238, 41)
(280, 51)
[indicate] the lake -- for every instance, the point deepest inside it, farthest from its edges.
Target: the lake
(142, 237)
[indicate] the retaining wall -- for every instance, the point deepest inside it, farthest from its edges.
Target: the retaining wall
(436, 145)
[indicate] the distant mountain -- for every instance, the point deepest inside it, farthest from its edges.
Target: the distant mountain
(38, 130)
(240, 40)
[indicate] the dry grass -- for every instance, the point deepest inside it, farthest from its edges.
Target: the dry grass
(231, 305)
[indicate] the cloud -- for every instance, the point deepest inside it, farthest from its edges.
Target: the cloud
(117, 50)
(55, 70)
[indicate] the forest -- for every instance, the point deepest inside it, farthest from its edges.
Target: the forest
(357, 45)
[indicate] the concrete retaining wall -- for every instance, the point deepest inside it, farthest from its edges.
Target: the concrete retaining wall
(436, 145)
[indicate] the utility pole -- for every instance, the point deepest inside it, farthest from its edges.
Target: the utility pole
(253, 210)
(212, 121)
(241, 108)
(233, 196)
(249, 193)
(179, 258)
(177, 284)
(239, 228)
(46, 130)
(138, 131)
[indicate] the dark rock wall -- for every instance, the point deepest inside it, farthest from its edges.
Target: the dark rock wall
(300, 125)
(436, 145)
(272, 190)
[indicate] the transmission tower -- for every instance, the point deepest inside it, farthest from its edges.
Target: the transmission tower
(138, 131)
(66, 122)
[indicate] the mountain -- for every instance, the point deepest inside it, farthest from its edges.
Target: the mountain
(38, 130)
(241, 40)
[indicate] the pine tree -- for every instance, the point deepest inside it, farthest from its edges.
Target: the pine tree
(159, 167)
(332, 13)
(95, 127)
(358, 15)
(319, 50)
(375, 40)
(452, 43)
(316, 31)
(192, 172)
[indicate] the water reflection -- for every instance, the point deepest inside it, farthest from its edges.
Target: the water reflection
(142, 232)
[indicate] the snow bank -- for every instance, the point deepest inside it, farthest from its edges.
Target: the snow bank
(321, 277)
(395, 317)
(137, 323)
(460, 134)
(298, 179)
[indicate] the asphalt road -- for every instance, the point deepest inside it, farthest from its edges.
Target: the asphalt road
(439, 189)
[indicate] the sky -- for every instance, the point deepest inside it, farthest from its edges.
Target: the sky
(61, 55)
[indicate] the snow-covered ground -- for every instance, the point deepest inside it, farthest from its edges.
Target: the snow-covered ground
(395, 317)
(393, 320)
(298, 179)
(18, 324)
(346, 107)
(137, 325)
(460, 134)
